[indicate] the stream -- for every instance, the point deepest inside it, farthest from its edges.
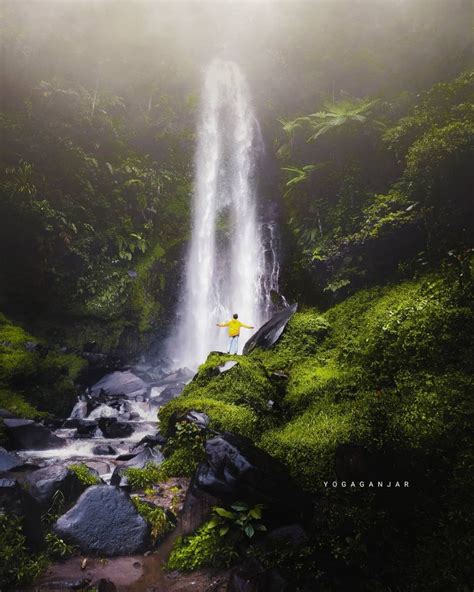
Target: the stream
(135, 411)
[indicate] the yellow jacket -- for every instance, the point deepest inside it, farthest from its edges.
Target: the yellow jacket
(234, 327)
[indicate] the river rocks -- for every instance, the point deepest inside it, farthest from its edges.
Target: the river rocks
(150, 441)
(85, 428)
(15, 501)
(236, 469)
(28, 435)
(104, 522)
(167, 394)
(80, 410)
(9, 461)
(181, 375)
(104, 449)
(271, 331)
(148, 455)
(44, 483)
(111, 427)
(124, 384)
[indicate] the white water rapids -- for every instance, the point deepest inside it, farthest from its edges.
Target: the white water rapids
(231, 265)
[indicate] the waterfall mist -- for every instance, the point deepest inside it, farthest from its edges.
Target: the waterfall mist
(231, 264)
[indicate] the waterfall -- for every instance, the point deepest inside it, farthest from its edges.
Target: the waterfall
(228, 268)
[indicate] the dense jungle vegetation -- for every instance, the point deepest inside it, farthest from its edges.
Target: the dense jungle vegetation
(366, 111)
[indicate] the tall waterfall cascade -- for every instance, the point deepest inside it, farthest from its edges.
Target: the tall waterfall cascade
(232, 265)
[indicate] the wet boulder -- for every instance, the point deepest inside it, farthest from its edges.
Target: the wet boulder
(16, 501)
(80, 410)
(181, 375)
(126, 384)
(9, 461)
(271, 331)
(25, 434)
(104, 450)
(85, 428)
(138, 461)
(167, 394)
(44, 483)
(236, 469)
(149, 441)
(111, 427)
(104, 522)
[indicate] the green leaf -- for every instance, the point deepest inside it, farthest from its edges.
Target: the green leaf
(256, 513)
(249, 531)
(224, 530)
(239, 506)
(224, 513)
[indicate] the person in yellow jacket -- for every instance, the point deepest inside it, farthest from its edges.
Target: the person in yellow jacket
(234, 331)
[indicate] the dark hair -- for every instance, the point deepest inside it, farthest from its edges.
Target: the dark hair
(236, 316)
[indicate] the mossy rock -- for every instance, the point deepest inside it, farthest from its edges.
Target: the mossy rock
(41, 378)
(303, 336)
(224, 416)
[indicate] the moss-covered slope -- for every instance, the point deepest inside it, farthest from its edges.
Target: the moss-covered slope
(389, 369)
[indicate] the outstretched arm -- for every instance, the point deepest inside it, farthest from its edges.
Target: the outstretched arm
(247, 326)
(222, 324)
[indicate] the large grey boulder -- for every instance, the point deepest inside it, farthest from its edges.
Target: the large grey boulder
(111, 427)
(44, 483)
(117, 384)
(104, 522)
(181, 375)
(25, 434)
(271, 332)
(9, 461)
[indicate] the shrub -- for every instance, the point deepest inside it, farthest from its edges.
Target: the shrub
(204, 548)
(141, 478)
(158, 518)
(84, 474)
(17, 565)
(181, 463)
(44, 379)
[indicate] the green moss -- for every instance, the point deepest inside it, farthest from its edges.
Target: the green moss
(84, 474)
(303, 336)
(307, 443)
(246, 383)
(43, 379)
(224, 416)
(17, 405)
(310, 380)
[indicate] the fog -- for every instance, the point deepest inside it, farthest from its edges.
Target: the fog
(361, 48)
